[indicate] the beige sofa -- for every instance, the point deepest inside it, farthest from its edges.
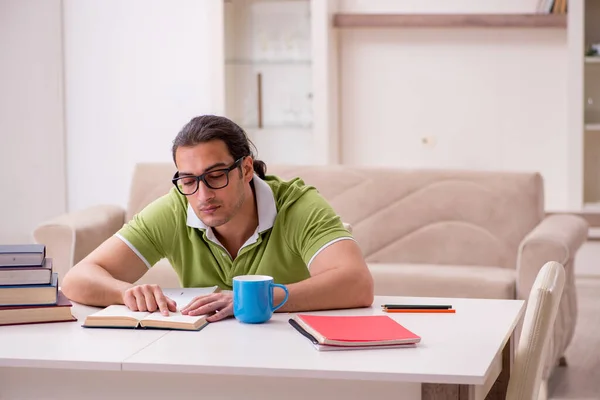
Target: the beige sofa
(423, 232)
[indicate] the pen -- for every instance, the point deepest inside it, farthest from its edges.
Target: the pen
(416, 306)
(414, 310)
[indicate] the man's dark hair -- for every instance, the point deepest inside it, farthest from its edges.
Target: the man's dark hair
(205, 128)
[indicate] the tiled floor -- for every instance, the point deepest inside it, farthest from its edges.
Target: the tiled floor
(580, 380)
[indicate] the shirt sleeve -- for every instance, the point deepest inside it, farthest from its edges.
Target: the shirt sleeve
(311, 225)
(151, 232)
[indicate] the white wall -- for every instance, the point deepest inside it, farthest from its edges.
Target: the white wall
(32, 169)
(493, 99)
(136, 72)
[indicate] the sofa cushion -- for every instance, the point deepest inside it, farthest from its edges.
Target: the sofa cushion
(426, 280)
(420, 280)
(442, 216)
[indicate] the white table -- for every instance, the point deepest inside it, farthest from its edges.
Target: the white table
(460, 355)
(68, 345)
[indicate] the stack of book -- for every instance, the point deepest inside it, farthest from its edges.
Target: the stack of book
(29, 288)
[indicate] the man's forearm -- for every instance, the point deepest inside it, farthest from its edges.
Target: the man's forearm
(92, 285)
(334, 289)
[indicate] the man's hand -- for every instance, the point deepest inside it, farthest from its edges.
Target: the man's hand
(221, 304)
(148, 298)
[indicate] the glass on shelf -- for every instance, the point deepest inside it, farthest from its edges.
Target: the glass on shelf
(281, 31)
(268, 30)
(268, 63)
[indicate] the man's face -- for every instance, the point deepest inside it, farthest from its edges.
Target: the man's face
(214, 207)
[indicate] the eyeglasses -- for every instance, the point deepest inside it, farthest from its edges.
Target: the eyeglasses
(215, 179)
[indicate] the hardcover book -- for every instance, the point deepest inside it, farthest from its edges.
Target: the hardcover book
(22, 295)
(17, 315)
(27, 275)
(22, 254)
(120, 316)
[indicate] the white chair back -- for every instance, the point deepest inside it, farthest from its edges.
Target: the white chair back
(540, 314)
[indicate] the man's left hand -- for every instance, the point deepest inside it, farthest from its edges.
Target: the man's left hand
(220, 305)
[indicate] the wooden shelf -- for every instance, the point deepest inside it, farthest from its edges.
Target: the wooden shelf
(450, 20)
(266, 62)
(279, 129)
(592, 59)
(592, 127)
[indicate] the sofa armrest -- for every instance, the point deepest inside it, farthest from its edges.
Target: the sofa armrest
(556, 238)
(72, 236)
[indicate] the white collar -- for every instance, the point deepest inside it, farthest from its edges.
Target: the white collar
(265, 204)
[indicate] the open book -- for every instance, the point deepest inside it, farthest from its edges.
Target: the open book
(119, 316)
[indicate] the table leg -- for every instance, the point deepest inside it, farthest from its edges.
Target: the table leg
(498, 390)
(434, 391)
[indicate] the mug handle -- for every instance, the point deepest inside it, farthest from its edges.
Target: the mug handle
(284, 299)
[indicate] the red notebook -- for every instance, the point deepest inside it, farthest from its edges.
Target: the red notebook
(353, 331)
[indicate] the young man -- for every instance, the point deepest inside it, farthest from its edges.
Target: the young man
(222, 219)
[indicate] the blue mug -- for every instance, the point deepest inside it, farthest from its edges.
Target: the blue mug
(253, 298)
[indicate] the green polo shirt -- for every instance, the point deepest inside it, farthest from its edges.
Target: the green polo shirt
(295, 223)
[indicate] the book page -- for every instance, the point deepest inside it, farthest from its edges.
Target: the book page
(181, 296)
(184, 296)
(324, 347)
(119, 311)
(174, 317)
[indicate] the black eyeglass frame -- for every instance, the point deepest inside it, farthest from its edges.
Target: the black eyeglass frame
(202, 177)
